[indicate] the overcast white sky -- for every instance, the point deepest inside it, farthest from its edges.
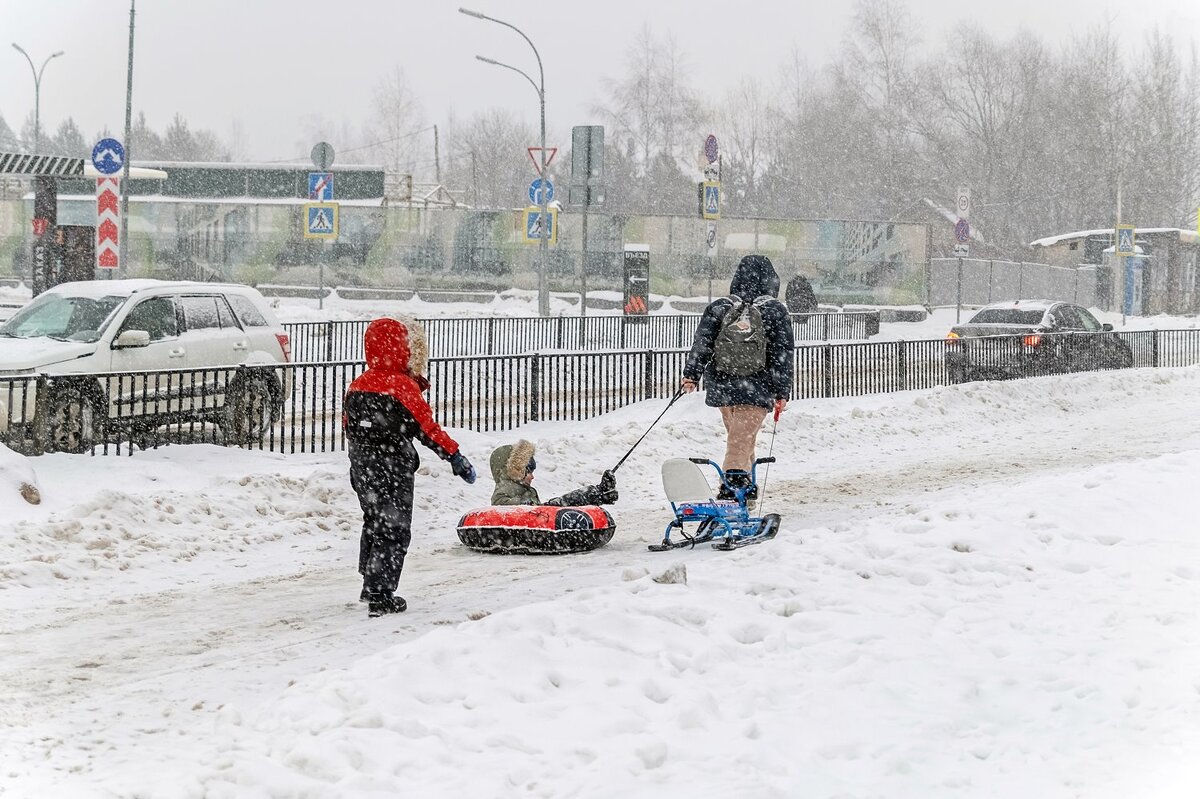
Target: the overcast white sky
(270, 63)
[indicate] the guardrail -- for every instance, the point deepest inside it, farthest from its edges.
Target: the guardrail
(294, 408)
(515, 335)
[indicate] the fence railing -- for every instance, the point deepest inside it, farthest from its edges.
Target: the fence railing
(451, 337)
(296, 407)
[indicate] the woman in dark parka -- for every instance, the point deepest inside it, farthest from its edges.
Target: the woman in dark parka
(744, 400)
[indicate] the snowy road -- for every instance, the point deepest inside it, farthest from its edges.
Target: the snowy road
(147, 613)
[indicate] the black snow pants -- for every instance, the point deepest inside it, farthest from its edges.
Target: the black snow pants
(382, 476)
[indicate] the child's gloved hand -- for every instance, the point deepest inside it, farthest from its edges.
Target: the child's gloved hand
(462, 467)
(608, 481)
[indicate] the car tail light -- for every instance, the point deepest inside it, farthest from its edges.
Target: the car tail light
(285, 344)
(1032, 341)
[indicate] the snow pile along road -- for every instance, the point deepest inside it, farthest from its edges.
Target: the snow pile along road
(122, 527)
(17, 480)
(979, 590)
(1040, 641)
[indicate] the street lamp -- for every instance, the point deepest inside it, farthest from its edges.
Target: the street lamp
(37, 91)
(540, 88)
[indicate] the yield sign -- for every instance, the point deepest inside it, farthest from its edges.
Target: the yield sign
(535, 154)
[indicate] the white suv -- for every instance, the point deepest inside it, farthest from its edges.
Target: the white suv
(148, 349)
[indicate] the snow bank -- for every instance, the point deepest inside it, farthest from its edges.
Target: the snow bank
(982, 590)
(1040, 641)
(17, 478)
(154, 520)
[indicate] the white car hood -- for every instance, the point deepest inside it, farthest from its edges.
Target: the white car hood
(34, 353)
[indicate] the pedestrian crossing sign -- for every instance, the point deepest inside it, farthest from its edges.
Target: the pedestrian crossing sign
(320, 220)
(711, 202)
(533, 225)
(1125, 240)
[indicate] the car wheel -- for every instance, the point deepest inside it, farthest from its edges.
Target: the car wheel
(75, 423)
(249, 411)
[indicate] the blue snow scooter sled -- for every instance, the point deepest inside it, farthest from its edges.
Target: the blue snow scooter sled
(726, 523)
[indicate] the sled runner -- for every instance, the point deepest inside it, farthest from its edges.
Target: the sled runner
(536, 529)
(726, 523)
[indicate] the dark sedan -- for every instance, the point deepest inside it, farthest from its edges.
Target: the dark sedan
(1032, 337)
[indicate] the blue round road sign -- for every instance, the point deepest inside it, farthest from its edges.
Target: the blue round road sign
(711, 151)
(108, 156)
(535, 190)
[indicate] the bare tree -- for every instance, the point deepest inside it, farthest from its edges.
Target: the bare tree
(652, 114)
(1163, 179)
(487, 156)
(396, 118)
(989, 104)
(744, 120)
(876, 73)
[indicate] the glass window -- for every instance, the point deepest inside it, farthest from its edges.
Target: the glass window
(1089, 322)
(1007, 316)
(64, 318)
(226, 315)
(249, 315)
(156, 316)
(1065, 318)
(200, 313)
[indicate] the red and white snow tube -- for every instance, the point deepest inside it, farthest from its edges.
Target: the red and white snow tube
(536, 529)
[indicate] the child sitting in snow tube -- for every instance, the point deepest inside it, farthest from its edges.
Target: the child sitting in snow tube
(520, 523)
(512, 469)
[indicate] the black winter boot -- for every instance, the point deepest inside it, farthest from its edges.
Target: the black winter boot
(383, 604)
(736, 478)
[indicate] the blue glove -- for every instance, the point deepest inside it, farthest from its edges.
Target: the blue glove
(462, 467)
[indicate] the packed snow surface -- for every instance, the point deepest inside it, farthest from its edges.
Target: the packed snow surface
(985, 590)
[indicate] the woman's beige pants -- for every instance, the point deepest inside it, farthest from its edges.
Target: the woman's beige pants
(742, 423)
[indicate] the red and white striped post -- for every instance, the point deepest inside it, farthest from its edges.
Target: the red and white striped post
(107, 223)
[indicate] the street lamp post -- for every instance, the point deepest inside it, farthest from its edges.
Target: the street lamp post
(540, 88)
(37, 92)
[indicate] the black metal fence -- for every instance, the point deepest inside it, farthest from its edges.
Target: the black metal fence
(452, 337)
(296, 408)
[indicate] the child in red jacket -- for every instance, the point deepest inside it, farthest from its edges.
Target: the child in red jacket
(384, 410)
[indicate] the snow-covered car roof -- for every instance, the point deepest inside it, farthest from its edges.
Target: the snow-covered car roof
(129, 286)
(1023, 305)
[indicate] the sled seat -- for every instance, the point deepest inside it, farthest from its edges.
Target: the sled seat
(683, 482)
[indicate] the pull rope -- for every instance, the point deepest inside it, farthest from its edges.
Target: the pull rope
(678, 394)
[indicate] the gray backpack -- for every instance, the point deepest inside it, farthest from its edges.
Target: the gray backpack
(740, 348)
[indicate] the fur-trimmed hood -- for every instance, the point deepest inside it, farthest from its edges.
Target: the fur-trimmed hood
(397, 344)
(508, 462)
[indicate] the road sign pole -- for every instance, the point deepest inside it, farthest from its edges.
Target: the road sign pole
(123, 242)
(544, 244)
(583, 266)
(958, 310)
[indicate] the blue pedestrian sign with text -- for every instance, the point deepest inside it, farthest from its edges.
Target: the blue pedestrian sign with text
(537, 188)
(108, 156)
(320, 187)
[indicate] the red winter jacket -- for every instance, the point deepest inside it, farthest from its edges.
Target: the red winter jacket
(385, 402)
